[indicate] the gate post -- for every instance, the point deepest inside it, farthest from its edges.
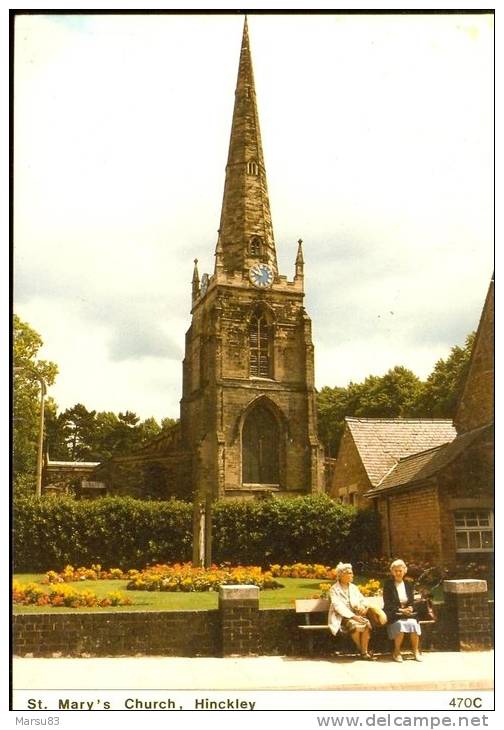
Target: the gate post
(466, 603)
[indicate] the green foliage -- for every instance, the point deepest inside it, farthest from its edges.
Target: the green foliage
(24, 485)
(332, 406)
(127, 533)
(81, 435)
(114, 531)
(308, 529)
(391, 395)
(26, 395)
(443, 387)
(397, 394)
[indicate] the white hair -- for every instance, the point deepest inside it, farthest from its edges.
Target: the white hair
(343, 568)
(398, 564)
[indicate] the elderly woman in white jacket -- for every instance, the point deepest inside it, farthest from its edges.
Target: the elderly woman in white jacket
(347, 612)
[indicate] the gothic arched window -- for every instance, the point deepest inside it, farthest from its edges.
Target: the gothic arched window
(259, 345)
(260, 447)
(252, 168)
(255, 246)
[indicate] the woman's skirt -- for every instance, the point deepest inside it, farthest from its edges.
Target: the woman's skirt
(349, 625)
(405, 626)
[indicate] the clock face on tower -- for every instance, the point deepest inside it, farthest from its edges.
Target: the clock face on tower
(261, 275)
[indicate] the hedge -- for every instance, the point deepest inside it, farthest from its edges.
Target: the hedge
(123, 532)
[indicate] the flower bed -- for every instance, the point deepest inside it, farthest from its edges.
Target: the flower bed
(303, 570)
(95, 572)
(184, 577)
(64, 595)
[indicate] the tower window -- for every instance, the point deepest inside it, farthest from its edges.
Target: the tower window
(259, 341)
(255, 246)
(252, 168)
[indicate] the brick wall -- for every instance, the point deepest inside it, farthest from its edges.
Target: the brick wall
(418, 523)
(415, 524)
(184, 633)
(187, 633)
(466, 484)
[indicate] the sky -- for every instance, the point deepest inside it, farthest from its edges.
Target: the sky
(378, 142)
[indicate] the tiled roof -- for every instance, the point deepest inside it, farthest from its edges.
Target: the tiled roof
(418, 467)
(381, 442)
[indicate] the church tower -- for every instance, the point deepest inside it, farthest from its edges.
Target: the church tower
(248, 406)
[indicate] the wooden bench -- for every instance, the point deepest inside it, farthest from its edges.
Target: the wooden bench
(312, 607)
(309, 607)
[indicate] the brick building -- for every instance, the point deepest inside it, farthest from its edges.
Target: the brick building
(248, 413)
(371, 447)
(438, 504)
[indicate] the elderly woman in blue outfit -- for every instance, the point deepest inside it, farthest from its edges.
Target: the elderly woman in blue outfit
(348, 609)
(398, 605)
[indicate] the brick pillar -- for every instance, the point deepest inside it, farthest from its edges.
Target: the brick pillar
(239, 612)
(467, 614)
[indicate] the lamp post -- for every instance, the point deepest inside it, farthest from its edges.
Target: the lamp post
(43, 391)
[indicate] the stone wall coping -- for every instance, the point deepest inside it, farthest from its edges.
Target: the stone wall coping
(465, 585)
(238, 593)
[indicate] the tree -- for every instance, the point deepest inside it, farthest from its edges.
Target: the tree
(392, 395)
(332, 406)
(442, 390)
(397, 394)
(167, 423)
(26, 396)
(79, 429)
(81, 435)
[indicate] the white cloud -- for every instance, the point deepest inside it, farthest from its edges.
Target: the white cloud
(377, 133)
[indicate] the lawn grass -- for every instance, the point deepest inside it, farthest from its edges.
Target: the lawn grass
(159, 601)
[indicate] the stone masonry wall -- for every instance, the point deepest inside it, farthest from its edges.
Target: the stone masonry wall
(476, 406)
(349, 472)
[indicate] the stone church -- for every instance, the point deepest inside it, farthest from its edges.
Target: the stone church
(247, 415)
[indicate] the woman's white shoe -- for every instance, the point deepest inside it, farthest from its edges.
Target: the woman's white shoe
(397, 657)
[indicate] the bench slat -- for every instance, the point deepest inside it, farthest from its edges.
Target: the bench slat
(311, 605)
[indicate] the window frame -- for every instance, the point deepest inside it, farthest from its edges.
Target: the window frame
(260, 347)
(478, 528)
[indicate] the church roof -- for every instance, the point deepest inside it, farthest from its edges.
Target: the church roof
(381, 442)
(245, 207)
(417, 467)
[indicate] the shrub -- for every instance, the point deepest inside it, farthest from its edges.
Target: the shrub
(311, 529)
(54, 532)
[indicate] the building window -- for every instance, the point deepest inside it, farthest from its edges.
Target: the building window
(252, 168)
(259, 342)
(260, 447)
(255, 246)
(474, 531)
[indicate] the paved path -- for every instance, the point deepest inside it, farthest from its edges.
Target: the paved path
(438, 671)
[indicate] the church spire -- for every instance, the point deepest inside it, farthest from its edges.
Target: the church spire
(246, 231)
